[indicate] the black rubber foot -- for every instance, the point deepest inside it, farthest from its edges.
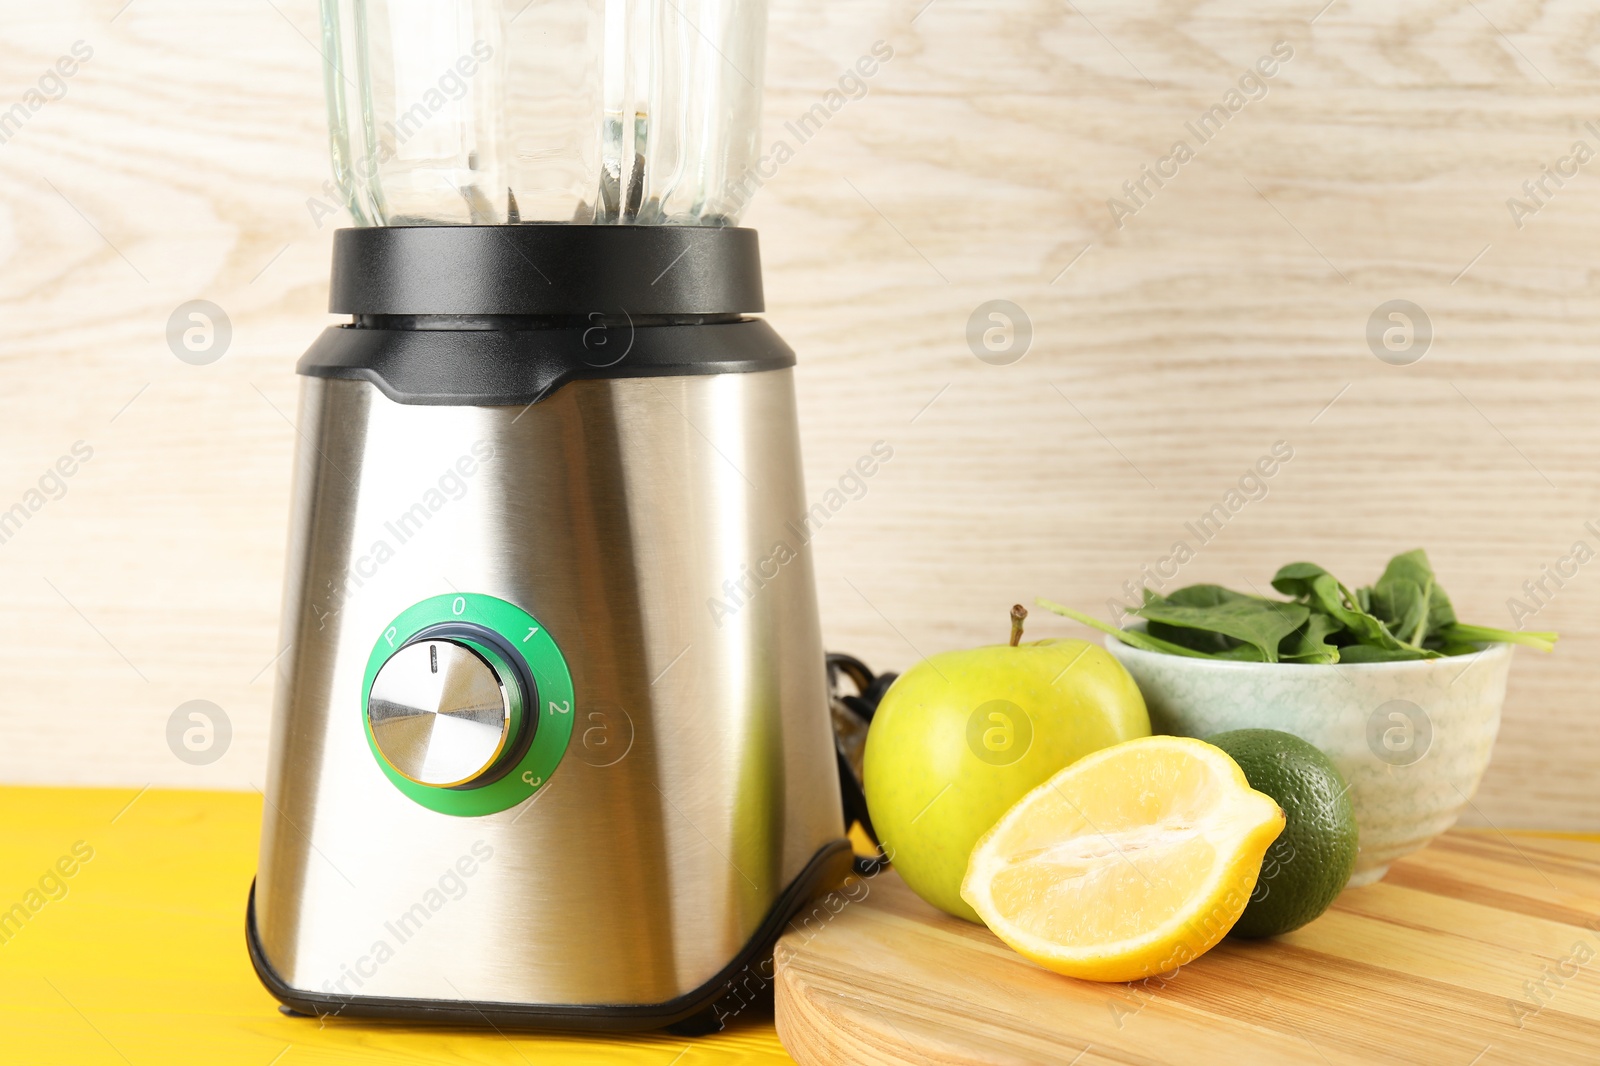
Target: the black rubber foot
(703, 1024)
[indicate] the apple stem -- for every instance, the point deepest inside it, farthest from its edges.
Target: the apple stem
(1018, 613)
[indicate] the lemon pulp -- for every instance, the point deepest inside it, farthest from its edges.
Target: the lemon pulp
(1130, 862)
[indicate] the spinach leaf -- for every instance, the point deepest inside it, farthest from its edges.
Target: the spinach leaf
(1323, 592)
(1201, 596)
(1132, 637)
(1441, 628)
(1366, 653)
(1465, 634)
(1295, 579)
(1260, 623)
(1205, 640)
(1308, 644)
(1405, 615)
(1402, 606)
(1409, 599)
(1408, 566)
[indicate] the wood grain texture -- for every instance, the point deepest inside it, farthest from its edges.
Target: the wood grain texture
(1168, 354)
(1478, 948)
(142, 960)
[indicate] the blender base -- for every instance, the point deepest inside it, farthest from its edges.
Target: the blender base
(698, 1012)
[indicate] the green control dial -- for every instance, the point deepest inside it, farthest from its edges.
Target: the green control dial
(467, 704)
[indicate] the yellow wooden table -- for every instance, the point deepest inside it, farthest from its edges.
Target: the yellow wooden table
(136, 954)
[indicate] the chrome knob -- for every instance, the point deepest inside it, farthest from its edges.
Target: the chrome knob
(444, 712)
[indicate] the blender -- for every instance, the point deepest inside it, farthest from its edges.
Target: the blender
(551, 742)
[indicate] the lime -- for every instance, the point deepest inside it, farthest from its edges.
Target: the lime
(1309, 863)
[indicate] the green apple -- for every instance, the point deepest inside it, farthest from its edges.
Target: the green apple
(962, 736)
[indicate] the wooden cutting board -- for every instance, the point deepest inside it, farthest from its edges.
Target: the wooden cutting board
(1481, 949)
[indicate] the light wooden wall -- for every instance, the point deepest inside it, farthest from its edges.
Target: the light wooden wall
(1168, 354)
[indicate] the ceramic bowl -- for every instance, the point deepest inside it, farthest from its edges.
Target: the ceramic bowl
(1412, 739)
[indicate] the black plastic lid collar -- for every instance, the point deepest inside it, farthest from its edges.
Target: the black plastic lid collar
(546, 269)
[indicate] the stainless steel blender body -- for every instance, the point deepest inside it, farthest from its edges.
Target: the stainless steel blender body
(551, 742)
(653, 528)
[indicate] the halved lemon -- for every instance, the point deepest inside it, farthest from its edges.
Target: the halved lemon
(1131, 862)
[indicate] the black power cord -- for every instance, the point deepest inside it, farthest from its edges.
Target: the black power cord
(852, 716)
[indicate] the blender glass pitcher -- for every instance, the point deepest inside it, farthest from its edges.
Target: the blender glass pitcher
(506, 111)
